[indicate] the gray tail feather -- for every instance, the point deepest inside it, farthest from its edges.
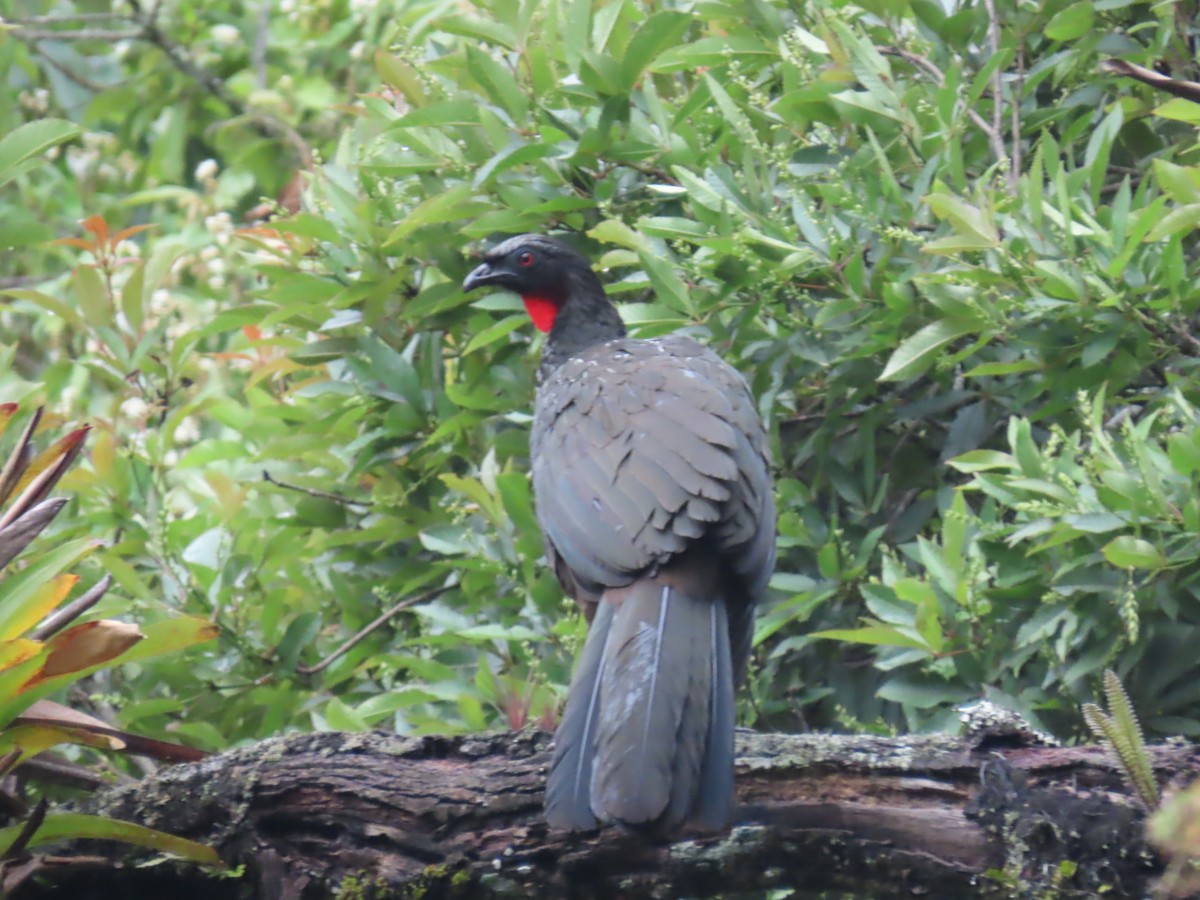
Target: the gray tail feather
(568, 786)
(714, 800)
(658, 744)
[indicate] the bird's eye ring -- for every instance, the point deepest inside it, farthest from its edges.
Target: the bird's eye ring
(525, 259)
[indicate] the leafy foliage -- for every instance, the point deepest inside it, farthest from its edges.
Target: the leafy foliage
(955, 262)
(36, 661)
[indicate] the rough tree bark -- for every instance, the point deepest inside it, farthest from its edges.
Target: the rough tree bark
(375, 815)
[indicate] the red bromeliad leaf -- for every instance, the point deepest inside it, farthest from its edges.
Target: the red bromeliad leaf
(51, 714)
(84, 646)
(33, 738)
(22, 684)
(44, 472)
(18, 459)
(18, 534)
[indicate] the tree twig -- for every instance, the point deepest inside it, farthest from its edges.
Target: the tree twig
(259, 57)
(1018, 92)
(1186, 335)
(70, 74)
(998, 97)
(313, 492)
(939, 77)
(69, 17)
(152, 33)
(367, 629)
(1188, 90)
(28, 830)
(74, 34)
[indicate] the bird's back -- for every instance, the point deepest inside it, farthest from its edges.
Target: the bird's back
(646, 450)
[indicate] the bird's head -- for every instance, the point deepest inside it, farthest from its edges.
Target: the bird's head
(544, 272)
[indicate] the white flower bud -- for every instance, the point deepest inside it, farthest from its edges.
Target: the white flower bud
(207, 170)
(225, 35)
(187, 430)
(134, 408)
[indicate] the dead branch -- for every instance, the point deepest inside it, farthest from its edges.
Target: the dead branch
(311, 815)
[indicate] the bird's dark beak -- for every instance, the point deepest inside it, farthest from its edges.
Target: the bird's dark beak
(483, 275)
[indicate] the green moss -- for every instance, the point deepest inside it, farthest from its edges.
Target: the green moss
(364, 887)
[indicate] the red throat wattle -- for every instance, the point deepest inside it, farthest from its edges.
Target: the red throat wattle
(542, 310)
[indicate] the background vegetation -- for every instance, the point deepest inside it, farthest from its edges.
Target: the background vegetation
(954, 256)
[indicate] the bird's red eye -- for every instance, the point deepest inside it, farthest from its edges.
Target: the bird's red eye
(525, 259)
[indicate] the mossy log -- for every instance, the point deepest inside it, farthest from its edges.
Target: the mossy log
(375, 815)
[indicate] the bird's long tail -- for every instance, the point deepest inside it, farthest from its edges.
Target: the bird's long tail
(647, 735)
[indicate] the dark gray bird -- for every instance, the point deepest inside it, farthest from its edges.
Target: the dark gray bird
(653, 490)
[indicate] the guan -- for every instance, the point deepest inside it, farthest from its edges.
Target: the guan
(652, 486)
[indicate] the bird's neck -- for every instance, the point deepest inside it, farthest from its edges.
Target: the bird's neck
(586, 318)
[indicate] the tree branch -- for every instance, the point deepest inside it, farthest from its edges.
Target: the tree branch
(367, 629)
(74, 34)
(921, 62)
(1015, 109)
(309, 815)
(997, 132)
(313, 492)
(1188, 90)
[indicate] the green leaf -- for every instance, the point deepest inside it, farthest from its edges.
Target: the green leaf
(614, 231)
(399, 74)
(1127, 551)
(1184, 453)
(659, 32)
(1003, 368)
(498, 82)
(1073, 22)
(78, 826)
(671, 291)
(157, 270)
(93, 296)
(51, 304)
(1183, 218)
(340, 717)
(23, 588)
(982, 461)
(1180, 183)
(715, 51)
(301, 632)
(1180, 110)
(957, 243)
(30, 140)
(969, 221)
(923, 693)
(918, 352)
(448, 206)
(496, 332)
(879, 635)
